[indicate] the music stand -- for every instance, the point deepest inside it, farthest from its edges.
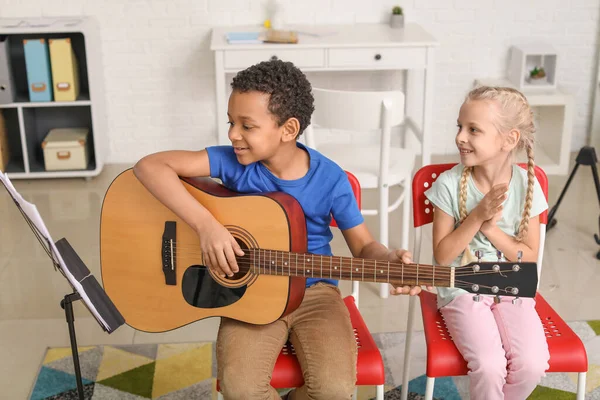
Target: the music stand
(85, 286)
(586, 156)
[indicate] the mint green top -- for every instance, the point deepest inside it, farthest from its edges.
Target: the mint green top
(444, 194)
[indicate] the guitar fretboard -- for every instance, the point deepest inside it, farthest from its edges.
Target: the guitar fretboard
(274, 262)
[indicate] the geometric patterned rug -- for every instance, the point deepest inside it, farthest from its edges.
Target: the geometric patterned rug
(180, 371)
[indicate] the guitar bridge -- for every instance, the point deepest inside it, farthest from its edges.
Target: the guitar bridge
(168, 253)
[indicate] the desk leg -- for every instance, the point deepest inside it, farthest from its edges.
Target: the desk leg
(428, 106)
(221, 100)
(418, 110)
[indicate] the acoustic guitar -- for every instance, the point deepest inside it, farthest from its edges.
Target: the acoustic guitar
(152, 264)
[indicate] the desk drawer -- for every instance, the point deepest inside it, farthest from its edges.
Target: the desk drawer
(401, 58)
(302, 58)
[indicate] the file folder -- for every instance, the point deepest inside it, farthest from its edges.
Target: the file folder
(65, 70)
(4, 150)
(7, 86)
(37, 62)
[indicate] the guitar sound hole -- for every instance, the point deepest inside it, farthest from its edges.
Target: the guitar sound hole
(243, 262)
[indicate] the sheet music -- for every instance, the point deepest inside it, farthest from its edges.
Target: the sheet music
(31, 213)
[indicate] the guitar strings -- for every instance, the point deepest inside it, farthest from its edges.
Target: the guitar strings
(369, 267)
(409, 273)
(343, 258)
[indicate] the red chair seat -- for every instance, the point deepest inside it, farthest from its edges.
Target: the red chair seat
(370, 370)
(567, 353)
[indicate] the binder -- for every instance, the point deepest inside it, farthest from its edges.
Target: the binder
(37, 62)
(7, 85)
(65, 70)
(4, 149)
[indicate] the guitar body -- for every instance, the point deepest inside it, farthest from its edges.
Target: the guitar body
(136, 258)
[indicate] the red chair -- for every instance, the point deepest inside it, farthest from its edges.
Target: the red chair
(370, 370)
(567, 353)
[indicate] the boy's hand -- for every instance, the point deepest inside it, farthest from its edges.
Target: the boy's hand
(491, 204)
(219, 249)
(404, 256)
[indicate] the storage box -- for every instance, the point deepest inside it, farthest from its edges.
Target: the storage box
(65, 70)
(4, 150)
(66, 149)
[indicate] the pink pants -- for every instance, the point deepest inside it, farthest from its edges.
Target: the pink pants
(504, 345)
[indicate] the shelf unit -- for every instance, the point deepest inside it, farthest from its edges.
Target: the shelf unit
(553, 110)
(27, 123)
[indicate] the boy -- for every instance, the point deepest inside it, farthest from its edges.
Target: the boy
(270, 106)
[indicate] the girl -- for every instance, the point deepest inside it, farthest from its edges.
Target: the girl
(488, 203)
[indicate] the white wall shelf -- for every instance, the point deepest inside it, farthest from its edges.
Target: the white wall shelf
(553, 110)
(27, 123)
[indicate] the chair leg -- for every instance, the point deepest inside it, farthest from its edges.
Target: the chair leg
(380, 392)
(429, 388)
(406, 214)
(407, 347)
(384, 200)
(384, 290)
(581, 385)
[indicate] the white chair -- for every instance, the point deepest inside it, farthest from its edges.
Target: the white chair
(377, 166)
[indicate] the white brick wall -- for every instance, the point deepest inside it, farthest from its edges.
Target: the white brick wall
(159, 69)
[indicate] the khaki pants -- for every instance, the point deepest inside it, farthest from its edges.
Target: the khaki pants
(323, 338)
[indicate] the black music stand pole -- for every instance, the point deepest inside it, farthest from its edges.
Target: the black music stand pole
(67, 305)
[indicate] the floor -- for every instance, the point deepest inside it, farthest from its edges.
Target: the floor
(31, 318)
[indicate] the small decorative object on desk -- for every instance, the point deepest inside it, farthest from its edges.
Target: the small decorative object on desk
(278, 36)
(397, 17)
(274, 14)
(244, 38)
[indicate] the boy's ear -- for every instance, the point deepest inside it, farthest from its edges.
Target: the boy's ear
(512, 139)
(291, 127)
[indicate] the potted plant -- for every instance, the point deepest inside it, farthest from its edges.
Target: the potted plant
(397, 17)
(537, 76)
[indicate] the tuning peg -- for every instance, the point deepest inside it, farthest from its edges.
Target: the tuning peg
(477, 298)
(499, 255)
(516, 300)
(497, 299)
(519, 256)
(478, 254)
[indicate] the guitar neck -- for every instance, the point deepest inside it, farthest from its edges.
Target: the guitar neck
(283, 263)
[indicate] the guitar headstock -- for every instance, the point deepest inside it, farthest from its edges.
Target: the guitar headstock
(498, 278)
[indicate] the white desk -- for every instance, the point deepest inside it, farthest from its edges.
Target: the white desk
(356, 47)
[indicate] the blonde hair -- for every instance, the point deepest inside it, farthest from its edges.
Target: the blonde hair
(514, 113)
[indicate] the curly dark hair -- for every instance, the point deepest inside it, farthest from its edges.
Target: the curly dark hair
(290, 90)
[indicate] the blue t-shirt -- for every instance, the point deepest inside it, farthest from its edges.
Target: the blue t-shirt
(324, 191)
